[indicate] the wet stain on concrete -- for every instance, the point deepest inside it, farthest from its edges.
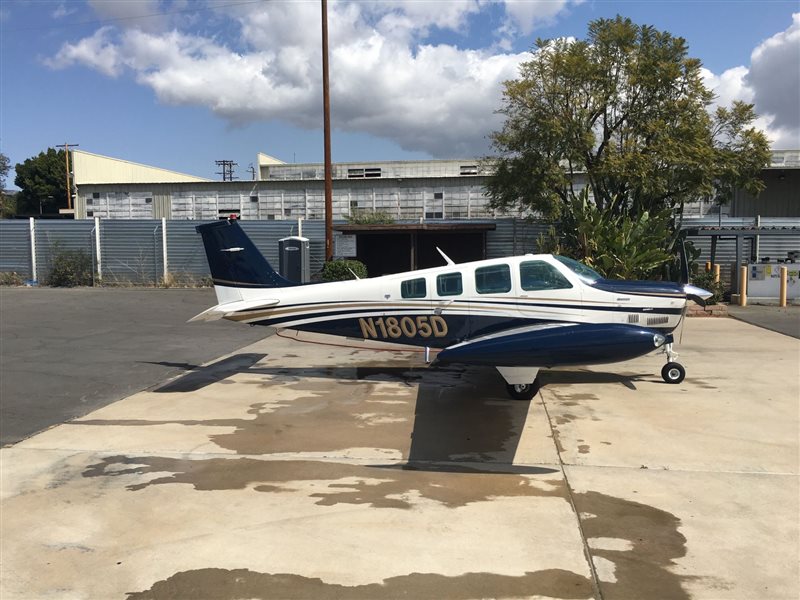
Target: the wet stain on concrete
(654, 544)
(224, 584)
(583, 449)
(379, 487)
(435, 414)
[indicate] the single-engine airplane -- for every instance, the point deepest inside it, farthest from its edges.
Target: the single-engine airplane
(518, 314)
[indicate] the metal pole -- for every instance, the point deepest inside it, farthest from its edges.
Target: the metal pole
(32, 224)
(784, 277)
(326, 109)
(742, 286)
(97, 248)
(164, 248)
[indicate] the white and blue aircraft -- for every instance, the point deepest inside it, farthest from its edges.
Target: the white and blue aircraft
(518, 314)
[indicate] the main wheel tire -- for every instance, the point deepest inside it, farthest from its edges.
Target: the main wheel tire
(673, 372)
(523, 391)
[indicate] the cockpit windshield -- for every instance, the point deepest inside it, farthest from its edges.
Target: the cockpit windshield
(588, 274)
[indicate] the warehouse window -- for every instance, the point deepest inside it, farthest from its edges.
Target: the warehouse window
(438, 195)
(355, 173)
(148, 200)
(95, 194)
(89, 213)
(373, 172)
(468, 170)
(253, 198)
(88, 202)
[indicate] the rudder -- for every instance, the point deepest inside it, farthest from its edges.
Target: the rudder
(234, 260)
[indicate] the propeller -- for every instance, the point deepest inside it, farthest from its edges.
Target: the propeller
(692, 292)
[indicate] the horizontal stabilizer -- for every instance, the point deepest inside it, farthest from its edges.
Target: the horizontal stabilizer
(229, 308)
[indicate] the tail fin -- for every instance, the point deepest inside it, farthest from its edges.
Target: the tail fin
(234, 260)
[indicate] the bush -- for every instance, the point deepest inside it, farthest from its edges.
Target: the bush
(616, 245)
(11, 278)
(705, 280)
(369, 217)
(70, 268)
(340, 270)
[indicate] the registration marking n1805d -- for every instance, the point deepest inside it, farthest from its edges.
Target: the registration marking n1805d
(391, 327)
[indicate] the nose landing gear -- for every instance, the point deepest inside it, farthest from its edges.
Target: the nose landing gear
(673, 372)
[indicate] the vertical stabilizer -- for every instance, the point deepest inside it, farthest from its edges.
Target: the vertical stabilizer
(235, 262)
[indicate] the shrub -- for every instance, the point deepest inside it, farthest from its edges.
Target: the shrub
(69, 268)
(705, 280)
(11, 278)
(369, 217)
(340, 270)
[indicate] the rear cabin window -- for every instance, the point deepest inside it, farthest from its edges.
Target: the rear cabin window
(413, 288)
(537, 275)
(493, 280)
(449, 284)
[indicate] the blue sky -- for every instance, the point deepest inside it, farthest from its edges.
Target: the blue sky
(181, 83)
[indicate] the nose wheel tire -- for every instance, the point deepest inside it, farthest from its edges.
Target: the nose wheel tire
(673, 372)
(523, 391)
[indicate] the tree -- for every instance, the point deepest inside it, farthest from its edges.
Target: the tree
(625, 111)
(7, 205)
(42, 181)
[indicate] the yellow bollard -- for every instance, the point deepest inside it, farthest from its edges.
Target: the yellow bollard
(742, 286)
(784, 278)
(716, 273)
(708, 266)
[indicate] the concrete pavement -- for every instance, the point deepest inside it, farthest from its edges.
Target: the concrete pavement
(783, 320)
(66, 352)
(289, 470)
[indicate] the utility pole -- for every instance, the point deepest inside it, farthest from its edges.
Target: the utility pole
(326, 109)
(66, 148)
(227, 169)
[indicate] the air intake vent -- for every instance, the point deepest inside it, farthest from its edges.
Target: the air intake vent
(657, 320)
(633, 318)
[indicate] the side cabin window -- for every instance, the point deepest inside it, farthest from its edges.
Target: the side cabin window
(535, 275)
(449, 284)
(493, 280)
(413, 288)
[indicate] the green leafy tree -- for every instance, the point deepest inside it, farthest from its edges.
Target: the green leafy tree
(42, 181)
(626, 112)
(7, 202)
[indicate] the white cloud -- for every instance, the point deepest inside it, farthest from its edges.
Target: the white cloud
(96, 52)
(771, 83)
(62, 11)
(386, 78)
(775, 76)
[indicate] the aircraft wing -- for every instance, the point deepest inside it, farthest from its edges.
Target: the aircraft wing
(222, 310)
(553, 344)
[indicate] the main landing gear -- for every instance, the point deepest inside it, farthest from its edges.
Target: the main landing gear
(518, 381)
(523, 391)
(673, 372)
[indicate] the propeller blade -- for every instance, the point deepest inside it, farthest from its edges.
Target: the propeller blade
(684, 261)
(697, 294)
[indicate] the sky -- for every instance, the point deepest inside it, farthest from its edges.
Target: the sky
(179, 84)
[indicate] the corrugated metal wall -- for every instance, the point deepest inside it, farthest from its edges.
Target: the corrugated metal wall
(15, 248)
(132, 251)
(64, 235)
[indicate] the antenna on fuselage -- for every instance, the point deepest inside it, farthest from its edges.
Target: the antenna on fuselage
(444, 256)
(353, 272)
